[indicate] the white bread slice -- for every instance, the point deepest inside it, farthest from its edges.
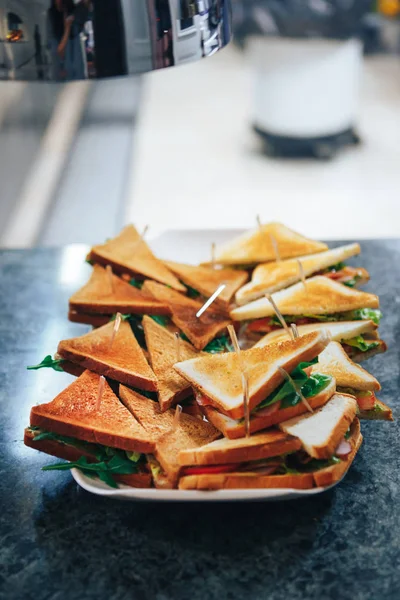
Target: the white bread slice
(255, 246)
(320, 432)
(263, 445)
(247, 480)
(219, 377)
(234, 429)
(321, 296)
(340, 330)
(334, 361)
(272, 277)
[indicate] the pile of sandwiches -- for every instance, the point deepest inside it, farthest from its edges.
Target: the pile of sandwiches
(159, 397)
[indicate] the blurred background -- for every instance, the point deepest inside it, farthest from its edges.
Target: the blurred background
(298, 120)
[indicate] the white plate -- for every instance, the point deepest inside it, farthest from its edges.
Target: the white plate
(195, 247)
(95, 486)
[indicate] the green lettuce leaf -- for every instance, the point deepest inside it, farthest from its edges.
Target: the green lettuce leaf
(309, 386)
(161, 320)
(219, 344)
(360, 343)
(137, 283)
(367, 314)
(191, 292)
(48, 362)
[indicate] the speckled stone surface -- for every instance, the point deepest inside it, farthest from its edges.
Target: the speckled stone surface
(58, 542)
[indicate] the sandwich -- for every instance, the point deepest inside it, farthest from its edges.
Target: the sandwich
(203, 281)
(321, 299)
(353, 379)
(359, 338)
(271, 277)
(313, 450)
(218, 384)
(261, 245)
(129, 254)
(105, 440)
(170, 436)
(200, 331)
(123, 360)
(106, 294)
(163, 350)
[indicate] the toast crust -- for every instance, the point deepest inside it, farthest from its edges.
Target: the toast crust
(233, 429)
(199, 330)
(339, 330)
(384, 414)
(124, 361)
(86, 319)
(162, 348)
(129, 253)
(98, 297)
(219, 377)
(72, 454)
(206, 280)
(74, 413)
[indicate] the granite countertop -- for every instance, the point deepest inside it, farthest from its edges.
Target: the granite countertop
(59, 542)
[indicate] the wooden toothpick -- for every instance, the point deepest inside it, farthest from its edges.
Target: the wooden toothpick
(280, 316)
(302, 274)
(178, 346)
(117, 325)
(210, 300)
(296, 388)
(213, 253)
(110, 277)
(100, 392)
(295, 331)
(245, 380)
(275, 247)
(177, 417)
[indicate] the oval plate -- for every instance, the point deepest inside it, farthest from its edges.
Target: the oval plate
(124, 492)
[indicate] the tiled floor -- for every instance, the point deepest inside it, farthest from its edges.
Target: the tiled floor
(197, 163)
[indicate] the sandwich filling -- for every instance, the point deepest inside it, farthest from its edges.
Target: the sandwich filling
(289, 464)
(302, 384)
(366, 400)
(342, 273)
(268, 324)
(106, 461)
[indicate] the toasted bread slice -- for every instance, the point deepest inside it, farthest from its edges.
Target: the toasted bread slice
(129, 253)
(219, 377)
(271, 277)
(320, 296)
(88, 319)
(262, 445)
(199, 330)
(206, 280)
(334, 361)
(247, 480)
(189, 433)
(124, 361)
(162, 347)
(320, 432)
(381, 412)
(74, 413)
(72, 454)
(98, 297)
(339, 331)
(233, 428)
(256, 246)
(359, 356)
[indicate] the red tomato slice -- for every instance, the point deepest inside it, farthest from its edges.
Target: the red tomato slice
(262, 325)
(211, 469)
(366, 400)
